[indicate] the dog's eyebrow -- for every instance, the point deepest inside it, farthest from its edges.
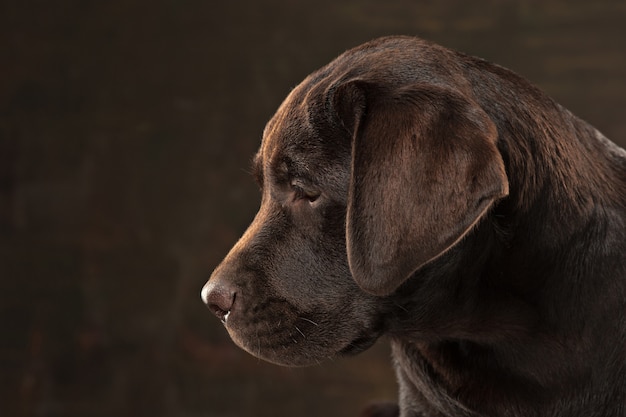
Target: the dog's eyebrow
(257, 169)
(292, 168)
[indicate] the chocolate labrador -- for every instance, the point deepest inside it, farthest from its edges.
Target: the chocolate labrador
(412, 191)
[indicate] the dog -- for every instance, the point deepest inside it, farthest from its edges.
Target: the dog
(416, 192)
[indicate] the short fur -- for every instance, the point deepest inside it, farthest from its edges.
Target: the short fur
(417, 192)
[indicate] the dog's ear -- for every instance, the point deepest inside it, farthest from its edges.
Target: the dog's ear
(425, 169)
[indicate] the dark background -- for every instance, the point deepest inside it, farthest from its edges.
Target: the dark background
(126, 130)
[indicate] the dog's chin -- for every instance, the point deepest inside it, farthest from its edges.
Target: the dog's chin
(303, 352)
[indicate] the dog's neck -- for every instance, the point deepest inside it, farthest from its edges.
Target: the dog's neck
(485, 310)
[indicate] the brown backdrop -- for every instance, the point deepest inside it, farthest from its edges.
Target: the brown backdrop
(126, 127)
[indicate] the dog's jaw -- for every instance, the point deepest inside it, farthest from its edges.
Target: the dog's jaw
(294, 340)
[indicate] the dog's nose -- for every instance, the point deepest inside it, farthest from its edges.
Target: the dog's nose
(219, 296)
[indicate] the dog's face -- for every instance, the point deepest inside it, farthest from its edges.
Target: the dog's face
(364, 178)
(296, 302)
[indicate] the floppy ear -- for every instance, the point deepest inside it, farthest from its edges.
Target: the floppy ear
(425, 169)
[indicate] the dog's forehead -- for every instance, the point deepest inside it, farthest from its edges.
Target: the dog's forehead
(289, 125)
(298, 134)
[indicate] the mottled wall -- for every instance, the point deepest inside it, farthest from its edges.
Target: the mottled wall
(126, 129)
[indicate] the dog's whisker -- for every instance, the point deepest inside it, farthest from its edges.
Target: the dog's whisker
(300, 331)
(310, 321)
(401, 307)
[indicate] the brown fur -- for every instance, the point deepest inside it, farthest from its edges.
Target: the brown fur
(417, 192)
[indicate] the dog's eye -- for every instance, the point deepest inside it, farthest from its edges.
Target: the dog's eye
(300, 193)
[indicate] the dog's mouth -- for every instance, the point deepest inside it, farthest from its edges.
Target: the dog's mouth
(224, 318)
(301, 351)
(359, 345)
(295, 339)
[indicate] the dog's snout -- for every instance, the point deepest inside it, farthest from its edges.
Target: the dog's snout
(219, 296)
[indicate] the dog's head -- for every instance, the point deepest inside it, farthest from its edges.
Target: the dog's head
(372, 167)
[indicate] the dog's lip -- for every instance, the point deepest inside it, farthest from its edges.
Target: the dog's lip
(224, 318)
(360, 344)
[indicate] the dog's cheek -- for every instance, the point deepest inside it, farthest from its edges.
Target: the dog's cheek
(317, 282)
(299, 304)
(311, 266)
(307, 219)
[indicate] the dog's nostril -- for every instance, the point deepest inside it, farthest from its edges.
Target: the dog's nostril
(219, 313)
(219, 297)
